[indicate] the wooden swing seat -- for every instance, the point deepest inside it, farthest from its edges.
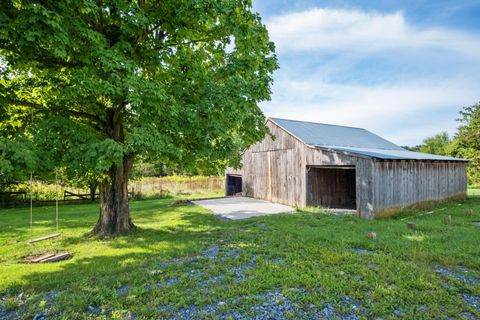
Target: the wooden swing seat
(55, 235)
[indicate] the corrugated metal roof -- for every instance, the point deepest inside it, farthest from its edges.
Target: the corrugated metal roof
(352, 140)
(394, 154)
(319, 134)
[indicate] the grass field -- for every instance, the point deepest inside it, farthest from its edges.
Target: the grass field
(184, 263)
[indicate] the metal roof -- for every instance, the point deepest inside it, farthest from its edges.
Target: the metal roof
(319, 134)
(395, 154)
(352, 140)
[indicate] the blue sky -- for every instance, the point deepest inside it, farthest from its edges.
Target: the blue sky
(402, 69)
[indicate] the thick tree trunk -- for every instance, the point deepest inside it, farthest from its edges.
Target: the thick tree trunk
(114, 211)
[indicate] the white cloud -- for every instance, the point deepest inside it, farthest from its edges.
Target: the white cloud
(359, 31)
(403, 113)
(419, 80)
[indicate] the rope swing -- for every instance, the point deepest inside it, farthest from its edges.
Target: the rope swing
(54, 235)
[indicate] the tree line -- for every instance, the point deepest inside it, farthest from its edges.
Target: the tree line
(465, 143)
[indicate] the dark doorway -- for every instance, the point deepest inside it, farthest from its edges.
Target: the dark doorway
(234, 185)
(331, 187)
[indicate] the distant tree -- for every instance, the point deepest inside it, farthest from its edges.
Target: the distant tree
(175, 81)
(414, 148)
(437, 144)
(466, 142)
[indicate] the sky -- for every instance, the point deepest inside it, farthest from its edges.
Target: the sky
(401, 69)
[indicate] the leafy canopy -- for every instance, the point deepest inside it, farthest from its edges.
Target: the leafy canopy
(466, 143)
(178, 81)
(437, 144)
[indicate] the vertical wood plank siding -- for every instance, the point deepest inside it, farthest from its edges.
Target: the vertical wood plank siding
(399, 184)
(276, 170)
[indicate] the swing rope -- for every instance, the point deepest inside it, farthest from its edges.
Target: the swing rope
(31, 205)
(56, 201)
(31, 190)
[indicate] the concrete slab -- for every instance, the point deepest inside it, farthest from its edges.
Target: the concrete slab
(236, 208)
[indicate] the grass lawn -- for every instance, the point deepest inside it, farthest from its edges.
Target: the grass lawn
(184, 263)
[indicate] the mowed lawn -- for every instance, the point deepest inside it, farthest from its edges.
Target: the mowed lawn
(184, 263)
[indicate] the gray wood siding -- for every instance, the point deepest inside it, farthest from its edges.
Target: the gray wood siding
(364, 169)
(399, 184)
(273, 169)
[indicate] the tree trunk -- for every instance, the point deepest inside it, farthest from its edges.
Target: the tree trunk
(93, 190)
(114, 211)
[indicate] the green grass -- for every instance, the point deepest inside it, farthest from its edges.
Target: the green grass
(308, 257)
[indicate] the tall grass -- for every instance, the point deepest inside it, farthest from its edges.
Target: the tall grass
(140, 188)
(153, 186)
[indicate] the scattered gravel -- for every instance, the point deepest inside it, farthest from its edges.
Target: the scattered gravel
(211, 252)
(8, 315)
(123, 290)
(469, 316)
(184, 260)
(278, 261)
(163, 264)
(460, 274)
(195, 274)
(275, 305)
(472, 301)
(50, 296)
(363, 251)
(239, 271)
(231, 253)
(205, 283)
(95, 310)
(270, 305)
(172, 281)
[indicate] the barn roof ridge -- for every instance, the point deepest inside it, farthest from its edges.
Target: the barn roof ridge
(320, 123)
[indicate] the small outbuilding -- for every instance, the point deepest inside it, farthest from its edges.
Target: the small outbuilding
(313, 164)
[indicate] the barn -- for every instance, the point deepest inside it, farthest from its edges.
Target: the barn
(313, 164)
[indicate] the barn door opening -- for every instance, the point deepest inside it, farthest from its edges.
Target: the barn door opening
(234, 185)
(331, 187)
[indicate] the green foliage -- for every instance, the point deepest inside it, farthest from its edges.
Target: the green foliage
(466, 142)
(177, 82)
(414, 148)
(312, 253)
(438, 144)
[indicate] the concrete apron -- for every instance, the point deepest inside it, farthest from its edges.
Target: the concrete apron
(237, 208)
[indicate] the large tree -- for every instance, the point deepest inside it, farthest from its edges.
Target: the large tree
(466, 142)
(178, 81)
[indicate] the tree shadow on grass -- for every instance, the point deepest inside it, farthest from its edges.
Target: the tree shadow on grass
(87, 281)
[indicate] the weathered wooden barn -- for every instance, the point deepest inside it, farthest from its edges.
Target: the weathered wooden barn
(313, 164)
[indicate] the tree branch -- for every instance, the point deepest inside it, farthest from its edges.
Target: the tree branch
(75, 113)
